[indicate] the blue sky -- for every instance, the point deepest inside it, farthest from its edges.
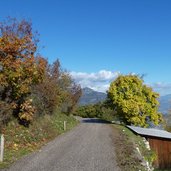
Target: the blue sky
(101, 38)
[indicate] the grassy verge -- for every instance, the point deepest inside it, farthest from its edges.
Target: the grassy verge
(128, 157)
(20, 141)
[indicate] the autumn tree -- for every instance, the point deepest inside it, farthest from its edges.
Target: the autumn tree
(56, 91)
(20, 68)
(75, 94)
(68, 90)
(135, 102)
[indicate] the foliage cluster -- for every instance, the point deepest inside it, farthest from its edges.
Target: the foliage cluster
(134, 102)
(29, 86)
(88, 111)
(99, 110)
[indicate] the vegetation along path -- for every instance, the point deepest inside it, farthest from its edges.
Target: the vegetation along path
(88, 147)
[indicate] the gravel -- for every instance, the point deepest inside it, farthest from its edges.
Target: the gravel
(87, 147)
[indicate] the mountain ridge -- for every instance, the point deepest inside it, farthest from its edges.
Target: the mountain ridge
(90, 96)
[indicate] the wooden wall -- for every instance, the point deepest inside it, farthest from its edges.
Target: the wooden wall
(162, 147)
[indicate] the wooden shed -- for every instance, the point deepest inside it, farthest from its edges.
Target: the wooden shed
(160, 142)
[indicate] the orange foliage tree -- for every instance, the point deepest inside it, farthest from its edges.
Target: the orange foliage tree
(20, 68)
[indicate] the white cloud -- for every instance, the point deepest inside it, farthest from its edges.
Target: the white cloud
(98, 81)
(162, 88)
(101, 80)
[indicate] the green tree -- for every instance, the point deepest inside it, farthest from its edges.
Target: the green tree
(134, 102)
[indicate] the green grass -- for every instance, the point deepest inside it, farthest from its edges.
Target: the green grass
(20, 141)
(58, 122)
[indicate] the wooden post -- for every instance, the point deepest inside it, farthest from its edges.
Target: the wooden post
(64, 125)
(2, 148)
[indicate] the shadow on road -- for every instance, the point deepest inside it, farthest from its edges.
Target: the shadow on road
(95, 120)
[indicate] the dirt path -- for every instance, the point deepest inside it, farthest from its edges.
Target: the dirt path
(88, 147)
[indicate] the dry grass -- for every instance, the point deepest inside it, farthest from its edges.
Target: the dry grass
(127, 156)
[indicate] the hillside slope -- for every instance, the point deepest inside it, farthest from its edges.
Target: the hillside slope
(90, 96)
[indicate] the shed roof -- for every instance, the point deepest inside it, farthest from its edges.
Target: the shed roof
(151, 132)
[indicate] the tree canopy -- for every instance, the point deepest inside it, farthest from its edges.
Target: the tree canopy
(135, 102)
(28, 84)
(20, 66)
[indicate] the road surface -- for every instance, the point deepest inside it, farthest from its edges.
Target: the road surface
(88, 147)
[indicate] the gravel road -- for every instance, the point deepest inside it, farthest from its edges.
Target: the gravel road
(88, 147)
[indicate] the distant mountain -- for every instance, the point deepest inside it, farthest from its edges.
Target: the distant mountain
(165, 103)
(90, 96)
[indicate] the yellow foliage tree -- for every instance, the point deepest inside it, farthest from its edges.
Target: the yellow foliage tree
(135, 103)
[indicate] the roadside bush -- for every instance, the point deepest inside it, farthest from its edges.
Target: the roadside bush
(88, 111)
(99, 110)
